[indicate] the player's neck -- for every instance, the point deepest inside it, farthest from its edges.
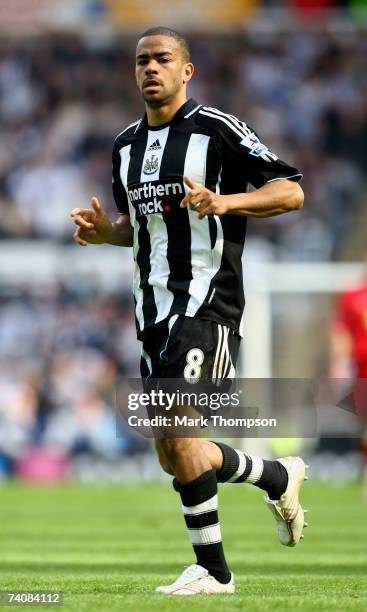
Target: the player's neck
(163, 114)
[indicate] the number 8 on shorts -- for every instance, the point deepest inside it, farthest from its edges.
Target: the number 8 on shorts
(194, 361)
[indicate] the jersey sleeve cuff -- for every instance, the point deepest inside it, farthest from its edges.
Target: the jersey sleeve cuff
(299, 175)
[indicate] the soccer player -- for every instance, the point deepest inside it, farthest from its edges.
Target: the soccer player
(180, 182)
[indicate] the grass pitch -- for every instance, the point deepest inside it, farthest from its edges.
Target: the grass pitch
(108, 547)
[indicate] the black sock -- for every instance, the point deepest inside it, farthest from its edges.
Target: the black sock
(200, 507)
(271, 476)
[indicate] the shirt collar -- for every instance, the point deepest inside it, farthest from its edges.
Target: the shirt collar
(181, 114)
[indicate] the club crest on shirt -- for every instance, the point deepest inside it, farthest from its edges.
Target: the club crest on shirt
(151, 165)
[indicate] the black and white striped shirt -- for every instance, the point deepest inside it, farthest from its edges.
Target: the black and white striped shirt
(184, 265)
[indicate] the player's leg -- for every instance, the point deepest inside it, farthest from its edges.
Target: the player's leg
(185, 457)
(196, 482)
(231, 465)
(282, 479)
(235, 466)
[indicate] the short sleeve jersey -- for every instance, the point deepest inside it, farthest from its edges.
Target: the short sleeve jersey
(184, 265)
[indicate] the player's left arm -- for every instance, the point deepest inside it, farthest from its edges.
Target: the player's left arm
(248, 161)
(273, 198)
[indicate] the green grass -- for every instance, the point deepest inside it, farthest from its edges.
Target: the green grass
(107, 548)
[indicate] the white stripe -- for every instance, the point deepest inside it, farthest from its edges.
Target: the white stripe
(147, 359)
(125, 161)
(228, 357)
(205, 261)
(192, 112)
(154, 135)
(256, 471)
(124, 167)
(241, 466)
(206, 535)
(240, 125)
(171, 322)
(219, 344)
(217, 250)
(206, 506)
(281, 178)
(224, 120)
(229, 370)
(129, 126)
(159, 267)
(241, 329)
(223, 353)
(217, 185)
(232, 370)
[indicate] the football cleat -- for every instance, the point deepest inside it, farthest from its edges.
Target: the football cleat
(287, 511)
(194, 580)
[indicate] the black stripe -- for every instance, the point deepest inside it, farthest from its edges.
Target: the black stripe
(231, 462)
(215, 550)
(137, 151)
(247, 471)
(138, 330)
(197, 521)
(143, 255)
(143, 261)
(144, 370)
(213, 167)
(118, 189)
(213, 231)
(199, 490)
(178, 225)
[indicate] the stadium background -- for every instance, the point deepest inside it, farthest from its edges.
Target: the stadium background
(106, 532)
(296, 72)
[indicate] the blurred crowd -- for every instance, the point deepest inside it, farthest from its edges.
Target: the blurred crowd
(62, 355)
(63, 100)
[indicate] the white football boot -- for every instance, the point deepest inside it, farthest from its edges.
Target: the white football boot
(287, 511)
(194, 580)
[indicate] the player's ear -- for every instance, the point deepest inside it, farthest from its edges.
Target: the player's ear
(188, 72)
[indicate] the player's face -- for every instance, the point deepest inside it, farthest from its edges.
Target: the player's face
(160, 69)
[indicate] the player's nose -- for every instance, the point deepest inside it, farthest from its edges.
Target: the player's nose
(151, 68)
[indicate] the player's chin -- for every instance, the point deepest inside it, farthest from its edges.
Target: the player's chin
(153, 95)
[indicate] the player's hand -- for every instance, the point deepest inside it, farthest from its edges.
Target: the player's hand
(94, 226)
(204, 201)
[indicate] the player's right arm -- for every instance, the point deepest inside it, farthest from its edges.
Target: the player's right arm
(95, 227)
